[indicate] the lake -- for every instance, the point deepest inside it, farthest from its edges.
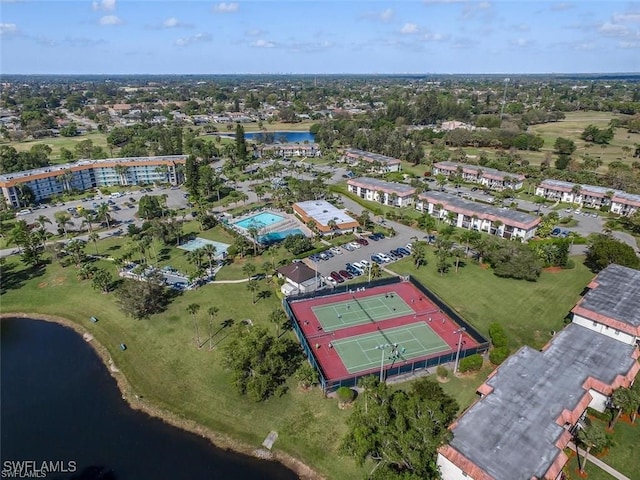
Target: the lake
(60, 405)
(280, 137)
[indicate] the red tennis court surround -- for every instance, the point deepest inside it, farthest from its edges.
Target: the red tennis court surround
(423, 309)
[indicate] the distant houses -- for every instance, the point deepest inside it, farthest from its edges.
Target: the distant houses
(377, 163)
(290, 150)
(488, 177)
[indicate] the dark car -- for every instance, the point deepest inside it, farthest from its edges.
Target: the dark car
(346, 275)
(394, 255)
(373, 237)
(362, 241)
(336, 276)
(377, 259)
(397, 253)
(403, 251)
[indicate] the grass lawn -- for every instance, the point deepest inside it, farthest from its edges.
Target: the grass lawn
(528, 311)
(56, 143)
(593, 471)
(623, 456)
(165, 367)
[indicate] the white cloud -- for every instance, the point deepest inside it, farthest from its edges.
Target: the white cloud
(83, 41)
(613, 29)
(387, 15)
(559, 7)
(110, 20)
(254, 32)
(472, 9)
(106, 5)
(173, 22)
(224, 7)
(409, 28)
(629, 45)
(433, 37)
(584, 46)
(8, 28)
(626, 17)
(261, 43)
(428, 2)
(520, 43)
(197, 38)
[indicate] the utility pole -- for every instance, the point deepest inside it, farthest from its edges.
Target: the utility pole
(504, 97)
(459, 331)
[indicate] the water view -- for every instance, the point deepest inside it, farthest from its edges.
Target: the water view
(281, 137)
(60, 405)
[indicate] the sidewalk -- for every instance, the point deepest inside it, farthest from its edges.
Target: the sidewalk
(599, 463)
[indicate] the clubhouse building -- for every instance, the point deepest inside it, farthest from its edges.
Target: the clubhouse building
(591, 196)
(393, 194)
(52, 180)
(379, 163)
(488, 177)
(327, 218)
(532, 405)
(477, 216)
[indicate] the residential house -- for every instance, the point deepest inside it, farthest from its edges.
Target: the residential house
(393, 194)
(299, 278)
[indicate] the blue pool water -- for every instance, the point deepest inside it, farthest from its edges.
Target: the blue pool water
(281, 137)
(273, 237)
(259, 220)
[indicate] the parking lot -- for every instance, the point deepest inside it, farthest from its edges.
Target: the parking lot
(339, 260)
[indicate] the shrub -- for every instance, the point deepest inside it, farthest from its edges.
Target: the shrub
(442, 372)
(471, 363)
(569, 265)
(498, 355)
(498, 337)
(345, 394)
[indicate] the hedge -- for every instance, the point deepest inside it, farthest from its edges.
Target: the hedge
(499, 355)
(471, 363)
(498, 336)
(442, 372)
(345, 394)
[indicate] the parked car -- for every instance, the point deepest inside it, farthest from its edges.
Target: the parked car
(336, 276)
(395, 255)
(408, 246)
(403, 251)
(323, 256)
(373, 237)
(330, 280)
(377, 259)
(365, 263)
(336, 250)
(355, 245)
(346, 275)
(384, 257)
(328, 253)
(362, 242)
(348, 247)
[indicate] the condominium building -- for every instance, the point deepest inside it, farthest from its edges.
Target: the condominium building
(489, 177)
(533, 404)
(592, 196)
(291, 150)
(388, 193)
(379, 163)
(461, 213)
(52, 180)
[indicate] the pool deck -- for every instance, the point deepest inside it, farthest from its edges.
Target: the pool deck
(289, 222)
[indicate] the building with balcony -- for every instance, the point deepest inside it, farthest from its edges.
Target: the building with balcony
(378, 163)
(393, 194)
(488, 177)
(471, 215)
(52, 180)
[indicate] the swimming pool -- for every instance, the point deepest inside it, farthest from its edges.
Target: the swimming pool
(273, 237)
(259, 220)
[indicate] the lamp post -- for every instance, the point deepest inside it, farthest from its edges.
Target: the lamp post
(459, 331)
(381, 348)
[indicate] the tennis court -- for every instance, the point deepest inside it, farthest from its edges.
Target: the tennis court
(363, 352)
(357, 311)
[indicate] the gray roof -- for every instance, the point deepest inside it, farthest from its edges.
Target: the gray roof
(485, 170)
(372, 156)
(617, 295)
(511, 432)
(507, 216)
(377, 184)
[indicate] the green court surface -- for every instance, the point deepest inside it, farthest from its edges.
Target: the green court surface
(357, 311)
(363, 352)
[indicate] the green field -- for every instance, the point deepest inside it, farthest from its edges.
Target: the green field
(529, 311)
(56, 143)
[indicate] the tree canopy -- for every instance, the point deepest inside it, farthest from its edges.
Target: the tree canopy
(400, 430)
(605, 250)
(140, 299)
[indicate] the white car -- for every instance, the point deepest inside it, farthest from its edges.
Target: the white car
(409, 246)
(386, 258)
(359, 265)
(355, 245)
(365, 263)
(336, 250)
(330, 281)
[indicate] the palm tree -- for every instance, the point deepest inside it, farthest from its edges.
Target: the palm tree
(212, 311)
(94, 237)
(253, 287)
(209, 251)
(577, 191)
(62, 220)
(625, 400)
(103, 214)
(249, 269)
(65, 179)
(192, 309)
(121, 171)
(439, 208)
(195, 257)
(88, 219)
(42, 220)
(253, 231)
(593, 436)
(376, 271)
(497, 224)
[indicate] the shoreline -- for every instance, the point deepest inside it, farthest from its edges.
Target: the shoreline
(135, 403)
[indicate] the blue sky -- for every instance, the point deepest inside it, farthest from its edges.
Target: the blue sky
(329, 36)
